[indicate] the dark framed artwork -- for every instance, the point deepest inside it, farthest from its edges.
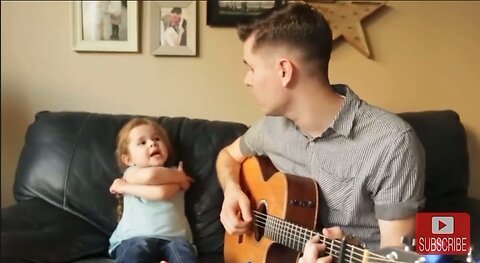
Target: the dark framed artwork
(229, 13)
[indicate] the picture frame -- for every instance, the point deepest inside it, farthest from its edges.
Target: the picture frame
(105, 26)
(230, 13)
(173, 28)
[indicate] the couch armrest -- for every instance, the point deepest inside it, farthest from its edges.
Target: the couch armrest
(36, 231)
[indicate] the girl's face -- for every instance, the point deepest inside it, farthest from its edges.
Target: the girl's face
(145, 147)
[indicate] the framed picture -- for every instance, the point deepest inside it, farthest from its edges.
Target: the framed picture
(105, 26)
(173, 28)
(229, 13)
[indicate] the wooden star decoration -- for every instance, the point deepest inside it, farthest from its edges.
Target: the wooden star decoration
(345, 17)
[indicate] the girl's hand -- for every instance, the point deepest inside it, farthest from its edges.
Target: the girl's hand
(117, 186)
(185, 180)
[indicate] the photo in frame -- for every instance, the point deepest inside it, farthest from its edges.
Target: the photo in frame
(173, 28)
(105, 26)
(230, 13)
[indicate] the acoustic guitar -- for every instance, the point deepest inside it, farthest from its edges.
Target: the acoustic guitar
(285, 208)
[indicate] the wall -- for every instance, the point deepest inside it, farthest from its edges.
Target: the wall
(425, 57)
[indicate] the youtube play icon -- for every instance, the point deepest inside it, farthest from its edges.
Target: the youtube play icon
(443, 225)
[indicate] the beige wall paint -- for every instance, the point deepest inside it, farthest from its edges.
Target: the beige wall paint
(425, 57)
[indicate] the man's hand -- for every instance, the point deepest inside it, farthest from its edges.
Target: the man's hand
(236, 215)
(314, 250)
(118, 186)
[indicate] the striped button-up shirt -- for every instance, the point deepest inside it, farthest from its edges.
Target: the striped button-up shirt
(369, 164)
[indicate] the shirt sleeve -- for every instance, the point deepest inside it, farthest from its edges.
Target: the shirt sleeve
(399, 187)
(252, 141)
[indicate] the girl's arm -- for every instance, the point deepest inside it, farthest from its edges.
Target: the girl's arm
(158, 175)
(150, 192)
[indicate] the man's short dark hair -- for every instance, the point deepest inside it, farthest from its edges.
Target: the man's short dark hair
(297, 25)
(176, 10)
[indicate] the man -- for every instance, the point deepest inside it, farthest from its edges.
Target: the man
(368, 162)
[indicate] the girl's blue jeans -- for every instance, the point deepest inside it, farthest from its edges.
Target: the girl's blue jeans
(150, 250)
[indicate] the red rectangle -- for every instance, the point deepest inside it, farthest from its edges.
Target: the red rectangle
(442, 233)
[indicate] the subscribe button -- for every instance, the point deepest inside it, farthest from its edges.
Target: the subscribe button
(442, 233)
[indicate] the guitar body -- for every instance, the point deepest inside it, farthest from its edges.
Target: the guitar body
(287, 197)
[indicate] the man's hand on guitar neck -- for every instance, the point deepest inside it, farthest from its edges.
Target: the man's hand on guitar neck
(314, 249)
(236, 215)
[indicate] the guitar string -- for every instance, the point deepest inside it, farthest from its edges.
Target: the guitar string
(333, 243)
(379, 258)
(333, 255)
(370, 256)
(352, 255)
(353, 258)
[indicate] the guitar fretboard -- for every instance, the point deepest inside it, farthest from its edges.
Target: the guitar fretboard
(295, 237)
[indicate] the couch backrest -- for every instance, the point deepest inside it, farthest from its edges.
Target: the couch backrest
(68, 160)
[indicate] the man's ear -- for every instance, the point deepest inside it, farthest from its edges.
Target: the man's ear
(285, 71)
(126, 159)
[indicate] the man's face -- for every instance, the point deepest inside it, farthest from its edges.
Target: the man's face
(175, 18)
(264, 78)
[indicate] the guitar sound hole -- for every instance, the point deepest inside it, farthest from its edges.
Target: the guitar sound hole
(260, 220)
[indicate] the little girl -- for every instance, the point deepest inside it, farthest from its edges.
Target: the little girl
(153, 226)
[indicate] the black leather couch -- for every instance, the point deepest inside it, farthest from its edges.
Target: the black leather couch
(65, 213)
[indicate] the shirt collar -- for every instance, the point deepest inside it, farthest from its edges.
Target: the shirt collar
(343, 124)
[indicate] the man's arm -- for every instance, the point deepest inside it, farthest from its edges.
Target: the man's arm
(391, 231)
(399, 192)
(235, 215)
(228, 165)
(150, 192)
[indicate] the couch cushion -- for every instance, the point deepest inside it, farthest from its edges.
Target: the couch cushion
(36, 231)
(68, 160)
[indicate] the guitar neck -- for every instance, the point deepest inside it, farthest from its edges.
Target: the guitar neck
(296, 237)
(291, 235)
